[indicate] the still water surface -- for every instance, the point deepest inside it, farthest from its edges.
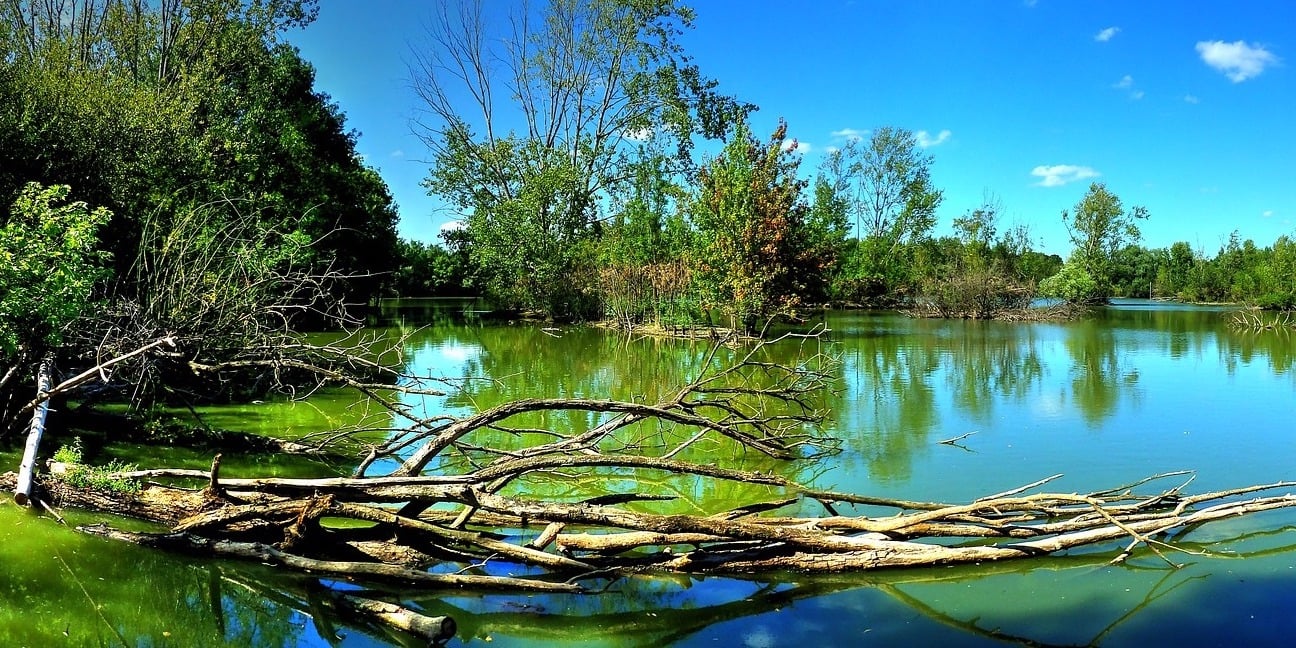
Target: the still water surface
(1138, 389)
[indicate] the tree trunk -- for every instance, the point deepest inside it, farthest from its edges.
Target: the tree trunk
(44, 379)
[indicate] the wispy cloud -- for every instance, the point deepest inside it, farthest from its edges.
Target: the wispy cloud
(1106, 34)
(1060, 174)
(796, 145)
(397, 153)
(925, 139)
(850, 134)
(1192, 99)
(1268, 213)
(1127, 83)
(452, 226)
(1237, 60)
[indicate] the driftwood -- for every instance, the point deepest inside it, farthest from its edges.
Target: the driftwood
(447, 519)
(44, 376)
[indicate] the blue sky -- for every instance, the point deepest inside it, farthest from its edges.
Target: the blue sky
(1185, 108)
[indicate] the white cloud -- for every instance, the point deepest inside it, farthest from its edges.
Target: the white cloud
(397, 153)
(1267, 213)
(1192, 99)
(831, 149)
(795, 145)
(1237, 60)
(1106, 34)
(925, 139)
(453, 226)
(1060, 174)
(1127, 83)
(850, 134)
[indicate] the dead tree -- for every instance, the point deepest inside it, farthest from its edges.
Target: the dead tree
(455, 501)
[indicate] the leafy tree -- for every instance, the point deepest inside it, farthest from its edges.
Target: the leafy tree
(591, 80)
(48, 269)
(978, 274)
(157, 109)
(1134, 271)
(1099, 227)
(1072, 283)
(894, 207)
(1174, 276)
(754, 247)
(643, 273)
(271, 137)
(827, 228)
(430, 270)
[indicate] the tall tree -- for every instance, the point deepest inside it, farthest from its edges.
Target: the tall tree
(755, 252)
(158, 108)
(894, 206)
(531, 127)
(1099, 227)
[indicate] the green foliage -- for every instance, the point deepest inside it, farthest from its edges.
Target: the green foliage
(981, 274)
(1278, 301)
(644, 275)
(1073, 284)
(888, 184)
(430, 271)
(150, 109)
(753, 246)
(48, 267)
(530, 244)
(102, 478)
(533, 195)
(1099, 227)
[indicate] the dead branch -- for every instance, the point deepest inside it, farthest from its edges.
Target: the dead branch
(462, 504)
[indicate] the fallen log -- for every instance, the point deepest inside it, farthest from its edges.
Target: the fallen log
(197, 545)
(479, 520)
(26, 470)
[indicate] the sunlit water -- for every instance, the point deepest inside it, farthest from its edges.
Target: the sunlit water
(1136, 390)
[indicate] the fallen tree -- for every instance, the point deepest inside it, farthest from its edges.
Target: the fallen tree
(471, 498)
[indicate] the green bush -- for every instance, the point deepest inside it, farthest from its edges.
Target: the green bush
(103, 478)
(1278, 301)
(1073, 284)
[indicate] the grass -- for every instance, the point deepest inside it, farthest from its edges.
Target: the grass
(103, 478)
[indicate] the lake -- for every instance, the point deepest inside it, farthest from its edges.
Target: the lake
(1136, 389)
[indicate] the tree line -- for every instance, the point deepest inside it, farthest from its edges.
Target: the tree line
(583, 195)
(567, 136)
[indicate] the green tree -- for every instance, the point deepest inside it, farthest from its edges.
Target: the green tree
(643, 271)
(754, 249)
(1074, 284)
(48, 269)
(430, 270)
(592, 80)
(827, 229)
(894, 207)
(1098, 226)
(1178, 270)
(157, 109)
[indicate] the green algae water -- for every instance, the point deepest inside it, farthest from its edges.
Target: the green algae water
(1137, 389)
